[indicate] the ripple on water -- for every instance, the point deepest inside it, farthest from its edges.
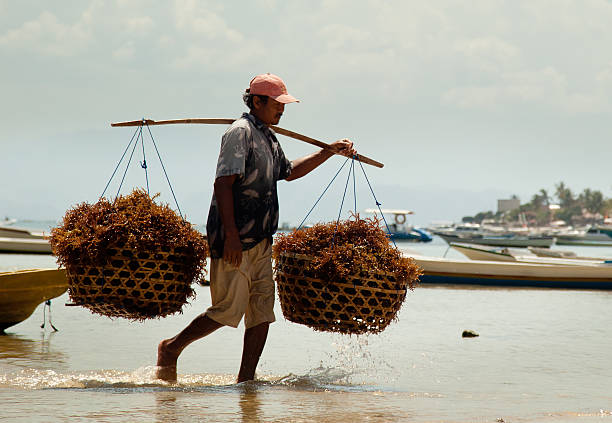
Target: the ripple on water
(321, 378)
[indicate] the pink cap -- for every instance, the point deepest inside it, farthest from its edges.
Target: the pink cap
(271, 86)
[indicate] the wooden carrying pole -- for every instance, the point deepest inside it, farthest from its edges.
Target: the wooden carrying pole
(276, 129)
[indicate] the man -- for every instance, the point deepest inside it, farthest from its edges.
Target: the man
(242, 219)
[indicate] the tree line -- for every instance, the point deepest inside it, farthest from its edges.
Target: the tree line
(589, 206)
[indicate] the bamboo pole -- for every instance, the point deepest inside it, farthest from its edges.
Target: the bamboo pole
(213, 121)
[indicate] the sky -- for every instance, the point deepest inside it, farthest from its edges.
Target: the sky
(464, 102)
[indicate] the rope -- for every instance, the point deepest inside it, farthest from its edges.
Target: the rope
(120, 160)
(139, 137)
(165, 173)
(354, 187)
(351, 170)
(143, 164)
(445, 252)
(128, 164)
(47, 304)
(322, 194)
(348, 178)
(377, 203)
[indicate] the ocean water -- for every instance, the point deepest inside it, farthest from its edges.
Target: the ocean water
(543, 355)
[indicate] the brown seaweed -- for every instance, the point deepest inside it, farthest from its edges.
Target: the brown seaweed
(89, 231)
(348, 248)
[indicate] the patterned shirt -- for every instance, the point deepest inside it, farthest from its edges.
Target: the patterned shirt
(250, 150)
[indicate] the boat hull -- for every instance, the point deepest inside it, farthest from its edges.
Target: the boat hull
(23, 290)
(455, 279)
(474, 253)
(583, 242)
(518, 242)
(12, 232)
(445, 271)
(488, 253)
(414, 235)
(25, 246)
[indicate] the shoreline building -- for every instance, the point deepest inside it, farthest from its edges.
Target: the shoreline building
(505, 205)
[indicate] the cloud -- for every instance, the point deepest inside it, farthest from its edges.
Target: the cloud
(140, 25)
(46, 34)
(124, 52)
(605, 75)
(546, 87)
(489, 54)
(197, 19)
(204, 39)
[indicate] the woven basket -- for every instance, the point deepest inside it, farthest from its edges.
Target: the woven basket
(133, 284)
(364, 303)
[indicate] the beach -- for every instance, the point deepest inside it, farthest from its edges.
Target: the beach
(542, 355)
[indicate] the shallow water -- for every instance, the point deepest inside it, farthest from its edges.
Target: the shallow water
(542, 355)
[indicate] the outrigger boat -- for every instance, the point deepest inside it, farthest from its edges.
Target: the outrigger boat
(499, 240)
(531, 255)
(22, 291)
(24, 246)
(14, 232)
(596, 235)
(23, 241)
(399, 229)
(437, 270)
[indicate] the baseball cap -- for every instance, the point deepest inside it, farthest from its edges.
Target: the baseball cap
(272, 86)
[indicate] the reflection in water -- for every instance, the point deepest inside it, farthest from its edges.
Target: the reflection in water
(165, 410)
(250, 404)
(27, 353)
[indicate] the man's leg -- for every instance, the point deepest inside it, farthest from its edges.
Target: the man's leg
(260, 310)
(169, 350)
(254, 341)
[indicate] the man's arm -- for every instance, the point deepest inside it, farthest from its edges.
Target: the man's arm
(306, 164)
(232, 247)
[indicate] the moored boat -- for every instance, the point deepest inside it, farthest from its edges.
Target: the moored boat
(501, 240)
(596, 235)
(398, 229)
(25, 245)
(438, 270)
(22, 291)
(480, 252)
(23, 241)
(14, 232)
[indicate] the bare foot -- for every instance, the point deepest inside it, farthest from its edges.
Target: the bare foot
(166, 362)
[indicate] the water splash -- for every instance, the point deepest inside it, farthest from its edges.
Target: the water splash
(140, 378)
(354, 356)
(143, 379)
(321, 378)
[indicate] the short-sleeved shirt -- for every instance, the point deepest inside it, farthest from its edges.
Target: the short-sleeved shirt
(250, 150)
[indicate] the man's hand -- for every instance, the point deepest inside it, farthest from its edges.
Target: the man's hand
(306, 164)
(343, 147)
(232, 249)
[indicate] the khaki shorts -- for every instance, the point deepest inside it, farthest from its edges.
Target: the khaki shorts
(245, 291)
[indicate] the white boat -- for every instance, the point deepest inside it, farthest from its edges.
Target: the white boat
(478, 252)
(546, 252)
(399, 229)
(25, 245)
(14, 232)
(438, 270)
(499, 240)
(596, 235)
(21, 240)
(22, 291)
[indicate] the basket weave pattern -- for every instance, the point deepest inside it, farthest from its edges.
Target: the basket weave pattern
(133, 284)
(364, 303)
